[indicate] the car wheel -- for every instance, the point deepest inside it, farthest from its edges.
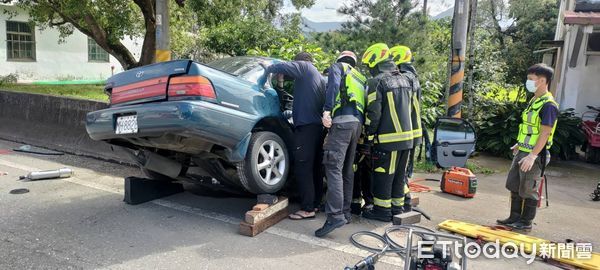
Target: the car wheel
(267, 164)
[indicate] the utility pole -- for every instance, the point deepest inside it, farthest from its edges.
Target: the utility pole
(457, 60)
(425, 8)
(472, 30)
(163, 51)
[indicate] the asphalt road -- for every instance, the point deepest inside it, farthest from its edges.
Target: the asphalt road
(82, 223)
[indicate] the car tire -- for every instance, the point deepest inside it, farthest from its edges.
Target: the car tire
(267, 164)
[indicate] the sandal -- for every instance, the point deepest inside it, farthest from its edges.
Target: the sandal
(300, 215)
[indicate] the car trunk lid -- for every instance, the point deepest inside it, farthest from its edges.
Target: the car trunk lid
(144, 84)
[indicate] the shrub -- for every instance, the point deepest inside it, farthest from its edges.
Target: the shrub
(432, 105)
(9, 79)
(568, 135)
(497, 130)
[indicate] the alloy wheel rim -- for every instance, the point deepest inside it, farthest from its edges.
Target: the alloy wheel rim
(271, 162)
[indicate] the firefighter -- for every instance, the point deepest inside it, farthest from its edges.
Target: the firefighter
(403, 58)
(343, 114)
(388, 125)
(531, 153)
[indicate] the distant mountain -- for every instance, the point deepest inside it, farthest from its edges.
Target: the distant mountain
(448, 13)
(310, 26)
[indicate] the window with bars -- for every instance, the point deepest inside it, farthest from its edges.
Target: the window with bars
(95, 52)
(20, 41)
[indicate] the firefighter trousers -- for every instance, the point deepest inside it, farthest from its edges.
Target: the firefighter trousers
(389, 183)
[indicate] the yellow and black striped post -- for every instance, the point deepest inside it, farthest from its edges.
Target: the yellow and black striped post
(455, 96)
(457, 62)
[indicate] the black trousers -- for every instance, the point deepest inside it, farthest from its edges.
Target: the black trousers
(389, 183)
(362, 180)
(340, 148)
(308, 156)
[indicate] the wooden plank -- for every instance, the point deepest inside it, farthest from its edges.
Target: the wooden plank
(254, 229)
(254, 216)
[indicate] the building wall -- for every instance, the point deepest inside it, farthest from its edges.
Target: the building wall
(578, 86)
(57, 61)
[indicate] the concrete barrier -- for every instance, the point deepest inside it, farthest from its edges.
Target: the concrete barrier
(56, 123)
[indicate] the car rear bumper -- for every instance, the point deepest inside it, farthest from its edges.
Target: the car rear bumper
(175, 125)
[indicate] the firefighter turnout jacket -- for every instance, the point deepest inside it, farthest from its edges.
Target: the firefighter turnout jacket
(411, 73)
(389, 115)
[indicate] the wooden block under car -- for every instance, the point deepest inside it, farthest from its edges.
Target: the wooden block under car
(260, 207)
(254, 216)
(261, 218)
(411, 217)
(252, 230)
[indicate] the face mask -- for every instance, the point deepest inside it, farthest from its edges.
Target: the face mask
(530, 85)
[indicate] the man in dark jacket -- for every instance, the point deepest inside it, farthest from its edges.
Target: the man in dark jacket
(388, 125)
(309, 89)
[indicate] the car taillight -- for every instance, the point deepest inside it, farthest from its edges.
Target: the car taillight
(191, 86)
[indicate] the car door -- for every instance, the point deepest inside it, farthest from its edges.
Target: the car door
(454, 142)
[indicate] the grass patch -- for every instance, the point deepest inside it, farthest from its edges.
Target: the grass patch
(428, 167)
(83, 91)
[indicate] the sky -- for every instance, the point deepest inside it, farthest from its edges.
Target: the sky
(325, 10)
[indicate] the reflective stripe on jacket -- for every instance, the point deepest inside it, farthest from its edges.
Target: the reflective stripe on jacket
(389, 114)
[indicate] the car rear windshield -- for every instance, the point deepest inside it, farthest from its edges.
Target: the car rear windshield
(244, 67)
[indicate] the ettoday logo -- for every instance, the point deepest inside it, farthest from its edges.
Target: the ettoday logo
(495, 250)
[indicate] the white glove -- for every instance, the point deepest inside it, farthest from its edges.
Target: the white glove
(326, 119)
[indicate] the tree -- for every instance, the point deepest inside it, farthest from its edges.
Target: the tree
(535, 21)
(290, 47)
(105, 21)
(519, 28)
(231, 27)
(108, 22)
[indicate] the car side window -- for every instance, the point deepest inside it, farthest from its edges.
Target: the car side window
(254, 73)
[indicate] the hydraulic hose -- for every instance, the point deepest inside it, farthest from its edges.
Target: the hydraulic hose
(389, 245)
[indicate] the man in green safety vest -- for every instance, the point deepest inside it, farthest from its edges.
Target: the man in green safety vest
(389, 127)
(343, 114)
(531, 151)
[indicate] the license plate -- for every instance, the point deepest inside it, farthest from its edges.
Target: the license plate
(126, 124)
